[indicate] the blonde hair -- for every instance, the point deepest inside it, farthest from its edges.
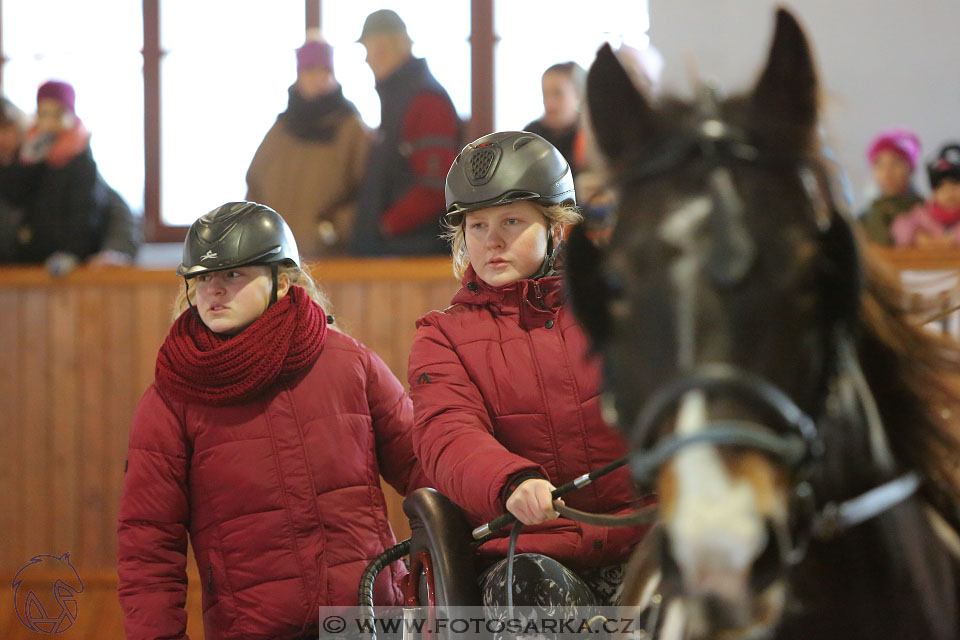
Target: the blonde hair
(297, 276)
(559, 217)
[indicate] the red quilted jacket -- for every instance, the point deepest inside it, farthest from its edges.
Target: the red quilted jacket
(503, 385)
(281, 497)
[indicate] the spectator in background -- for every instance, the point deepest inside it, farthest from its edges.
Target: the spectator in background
(562, 86)
(310, 163)
(70, 214)
(401, 198)
(936, 223)
(893, 157)
(16, 180)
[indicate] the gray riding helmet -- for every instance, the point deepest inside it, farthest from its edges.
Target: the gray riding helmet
(234, 235)
(506, 167)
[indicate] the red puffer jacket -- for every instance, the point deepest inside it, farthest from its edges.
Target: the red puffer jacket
(503, 385)
(281, 496)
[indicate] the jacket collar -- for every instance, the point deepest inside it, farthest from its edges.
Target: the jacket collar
(404, 74)
(533, 302)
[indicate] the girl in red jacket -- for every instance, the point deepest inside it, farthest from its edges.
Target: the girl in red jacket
(505, 390)
(263, 436)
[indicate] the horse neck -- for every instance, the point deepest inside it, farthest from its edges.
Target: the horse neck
(887, 577)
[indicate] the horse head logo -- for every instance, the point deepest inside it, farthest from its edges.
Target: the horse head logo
(50, 610)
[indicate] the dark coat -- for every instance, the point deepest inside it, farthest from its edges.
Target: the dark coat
(67, 211)
(389, 174)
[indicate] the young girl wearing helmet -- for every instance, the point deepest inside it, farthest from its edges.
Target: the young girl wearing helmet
(262, 436)
(505, 390)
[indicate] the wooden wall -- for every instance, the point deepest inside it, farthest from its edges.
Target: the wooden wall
(77, 353)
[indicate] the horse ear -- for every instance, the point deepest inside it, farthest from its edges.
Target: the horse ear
(588, 294)
(619, 114)
(786, 94)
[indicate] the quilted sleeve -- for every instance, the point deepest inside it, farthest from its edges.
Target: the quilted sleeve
(153, 520)
(452, 432)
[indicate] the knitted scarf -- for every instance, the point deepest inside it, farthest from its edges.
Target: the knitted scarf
(316, 120)
(197, 365)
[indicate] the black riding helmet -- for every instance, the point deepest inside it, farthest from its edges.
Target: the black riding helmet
(238, 234)
(506, 167)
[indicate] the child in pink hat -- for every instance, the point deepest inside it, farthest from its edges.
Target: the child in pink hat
(893, 155)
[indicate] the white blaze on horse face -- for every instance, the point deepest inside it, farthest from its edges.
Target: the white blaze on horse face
(717, 529)
(680, 229)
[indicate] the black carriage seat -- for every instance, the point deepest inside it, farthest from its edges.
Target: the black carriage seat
(440, 537)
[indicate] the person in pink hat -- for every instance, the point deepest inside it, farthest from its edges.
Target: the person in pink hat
(71, 214)
(893, 155)
(311, 161)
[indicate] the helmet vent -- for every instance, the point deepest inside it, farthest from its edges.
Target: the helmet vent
(481, 162)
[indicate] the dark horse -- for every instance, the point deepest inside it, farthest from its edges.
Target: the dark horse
(771, 370)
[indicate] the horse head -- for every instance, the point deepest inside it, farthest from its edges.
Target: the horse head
(716, 305)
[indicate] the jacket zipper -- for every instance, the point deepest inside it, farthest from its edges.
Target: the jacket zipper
(209, 578)
(538, 294)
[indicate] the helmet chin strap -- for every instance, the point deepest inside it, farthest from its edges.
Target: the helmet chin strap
(273, 294)
(186, 293)
(546, 267)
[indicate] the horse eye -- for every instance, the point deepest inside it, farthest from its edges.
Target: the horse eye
(615, 285)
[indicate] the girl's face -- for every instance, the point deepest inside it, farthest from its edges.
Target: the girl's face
(891, 172)
(52, 118)
(228, 301)
(947, 195)
(506, 243)
(561, 106)
(315, 82)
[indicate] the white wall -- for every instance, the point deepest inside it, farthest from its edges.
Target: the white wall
(882, 63)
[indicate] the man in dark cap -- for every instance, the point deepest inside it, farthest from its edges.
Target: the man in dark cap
(401, 197)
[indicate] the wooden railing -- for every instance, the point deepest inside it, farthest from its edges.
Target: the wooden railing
(930, 259)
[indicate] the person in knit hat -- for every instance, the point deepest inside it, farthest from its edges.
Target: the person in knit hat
(70, 214)
(312, 159)
(893, 156)
(936, 222)
(261, 439)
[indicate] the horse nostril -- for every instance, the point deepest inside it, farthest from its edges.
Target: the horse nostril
(769, 564)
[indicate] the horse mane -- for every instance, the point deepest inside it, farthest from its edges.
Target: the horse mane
(915, 378)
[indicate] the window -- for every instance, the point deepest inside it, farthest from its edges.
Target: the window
(224, 79)
(440, 30)
(535, 35)
(98, 52)
(225, 66)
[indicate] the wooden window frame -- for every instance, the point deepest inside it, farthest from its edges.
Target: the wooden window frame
(482, 44)
(483, 41)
